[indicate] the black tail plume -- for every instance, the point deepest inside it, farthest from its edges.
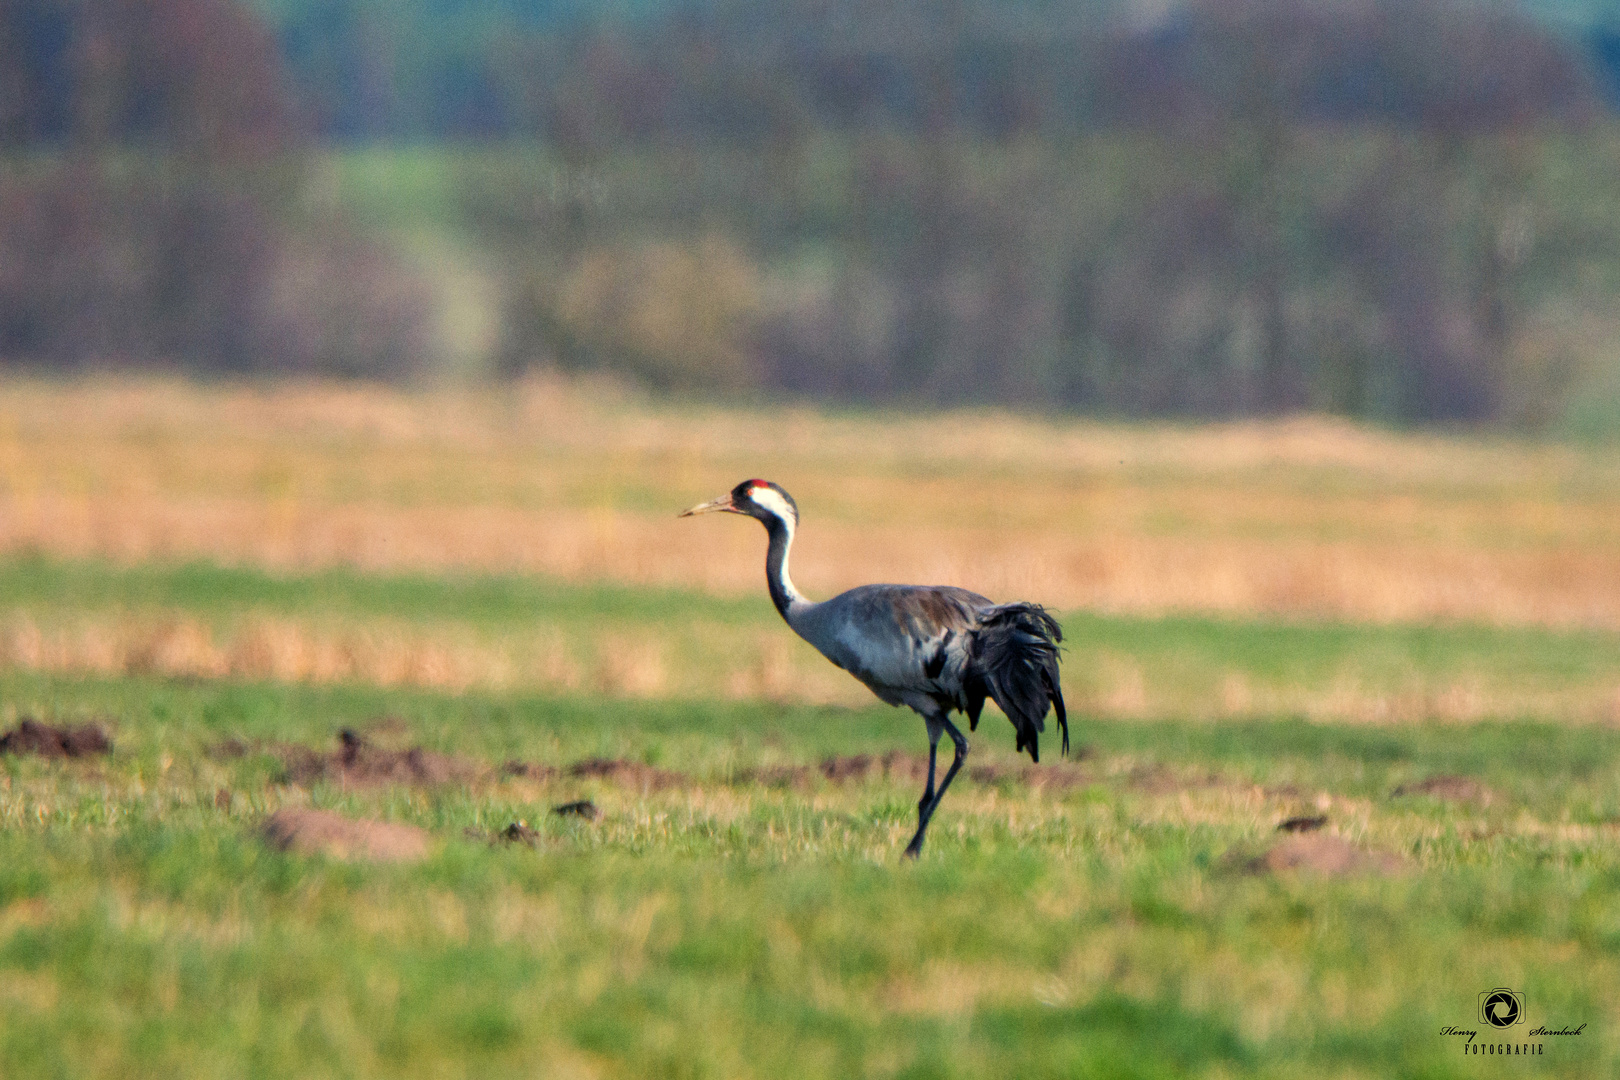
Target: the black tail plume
(1016, 653)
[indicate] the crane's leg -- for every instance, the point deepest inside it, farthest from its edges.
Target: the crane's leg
(935, 730)
(931, 798)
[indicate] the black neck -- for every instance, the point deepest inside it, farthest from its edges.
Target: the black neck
(775, 560)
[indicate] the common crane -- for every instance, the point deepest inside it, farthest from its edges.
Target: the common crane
(935, 648)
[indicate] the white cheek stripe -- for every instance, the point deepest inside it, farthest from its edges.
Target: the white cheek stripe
(768, 498)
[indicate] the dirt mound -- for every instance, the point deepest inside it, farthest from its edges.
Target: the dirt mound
(32, 737)
(628, 773)
(323, 832)
(358, 761)
(1323, 854)
(1445, 786)
(895, 765)
(366, 762)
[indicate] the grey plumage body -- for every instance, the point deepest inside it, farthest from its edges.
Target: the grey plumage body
(907, 643)
(934, 648)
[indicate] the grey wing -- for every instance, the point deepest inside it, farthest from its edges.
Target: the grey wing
(908, 643)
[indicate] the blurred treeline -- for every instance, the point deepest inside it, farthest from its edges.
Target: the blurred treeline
(1403, 210)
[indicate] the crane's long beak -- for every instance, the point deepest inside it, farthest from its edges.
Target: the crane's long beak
(723, 503)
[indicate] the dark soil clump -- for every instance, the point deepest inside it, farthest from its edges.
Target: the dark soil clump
(46, 740)
(359, 761)
(895, 765)
(519, 833)
(365, 762)
(1302, 824)
(628, 773)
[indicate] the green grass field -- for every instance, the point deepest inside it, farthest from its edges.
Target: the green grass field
(1119, 923)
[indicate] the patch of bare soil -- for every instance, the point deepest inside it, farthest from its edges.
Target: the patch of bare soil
(895, 765)
(324, 832)
(46, 740)
(360, 762)
(1445, 786)
(627, 773)
(1323, 854)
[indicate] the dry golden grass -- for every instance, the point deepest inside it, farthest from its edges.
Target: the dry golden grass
(1305, 517)
(705, 660)
(1300, 518)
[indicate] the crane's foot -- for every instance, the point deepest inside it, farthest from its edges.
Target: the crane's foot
(914, 848)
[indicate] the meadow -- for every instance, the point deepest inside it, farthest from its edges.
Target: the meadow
(1407, 645)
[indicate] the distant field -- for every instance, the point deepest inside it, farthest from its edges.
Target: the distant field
(1307, 518)
(1407, 646)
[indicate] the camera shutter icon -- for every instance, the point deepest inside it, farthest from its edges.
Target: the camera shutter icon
(1501, 1007)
